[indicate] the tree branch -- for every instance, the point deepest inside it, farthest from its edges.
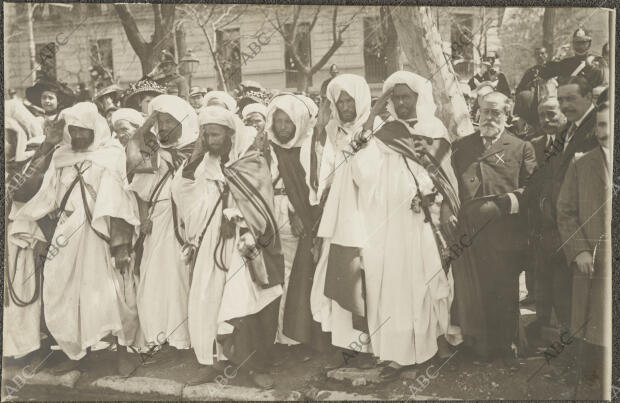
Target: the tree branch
(168, 12)
(157, 20)
(316, 17)
(293, 34)
(348, 23)
(238, 15)
(318, 65)
(131, 28)
(334, 20)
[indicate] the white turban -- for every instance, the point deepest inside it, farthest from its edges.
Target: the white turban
(255, 107)
(183, 112)
(243, 136)
(359, 90)
(104, 151)
(428, 125)
(302, 112)
(129, 114)
(86, 115)
(224, 97)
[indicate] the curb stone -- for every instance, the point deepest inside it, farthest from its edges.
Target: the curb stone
(140, 385)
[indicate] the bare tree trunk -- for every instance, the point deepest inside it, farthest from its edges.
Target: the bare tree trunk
(31, 45)
(181, 46)
(392, 48)
(422, 45)
(548, 26)
(302, 81)
(162, 38)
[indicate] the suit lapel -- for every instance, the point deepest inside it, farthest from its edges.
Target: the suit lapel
(599, 166)
(580, 134)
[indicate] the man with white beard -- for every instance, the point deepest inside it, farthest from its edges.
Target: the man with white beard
(492, 167)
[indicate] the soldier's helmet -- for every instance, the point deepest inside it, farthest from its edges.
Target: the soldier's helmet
(167, 57)
(581, 35)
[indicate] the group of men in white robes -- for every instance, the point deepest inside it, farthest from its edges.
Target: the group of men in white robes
(184, 233)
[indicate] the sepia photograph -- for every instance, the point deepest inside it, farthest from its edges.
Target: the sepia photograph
(304, 202)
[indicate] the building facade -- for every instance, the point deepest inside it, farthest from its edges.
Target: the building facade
(250, 48)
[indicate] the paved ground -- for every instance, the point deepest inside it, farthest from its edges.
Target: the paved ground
(162, 376)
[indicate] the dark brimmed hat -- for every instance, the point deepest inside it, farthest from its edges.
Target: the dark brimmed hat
(65, 95)
(142, 87)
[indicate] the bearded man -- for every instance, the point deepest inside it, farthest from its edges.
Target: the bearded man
(492, 167)
(231, 248)
(164, 281)
(290, 122)
(337, 296)
(88, 285)
(403, 187)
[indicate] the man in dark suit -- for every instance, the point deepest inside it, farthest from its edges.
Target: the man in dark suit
(575, 98)
(584, 217)
(548, 268)
(492, 167)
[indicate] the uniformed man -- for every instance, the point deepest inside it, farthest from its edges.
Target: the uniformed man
(166, 74)
(489, 71)
(579, 64)
(530, 79)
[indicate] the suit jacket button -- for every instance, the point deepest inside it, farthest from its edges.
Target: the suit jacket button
(472, 179)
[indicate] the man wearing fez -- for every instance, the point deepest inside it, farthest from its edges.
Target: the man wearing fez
(165, 74)
(492, 167)
(584, 217)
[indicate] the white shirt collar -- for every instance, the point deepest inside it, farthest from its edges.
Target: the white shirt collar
(578, 122)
